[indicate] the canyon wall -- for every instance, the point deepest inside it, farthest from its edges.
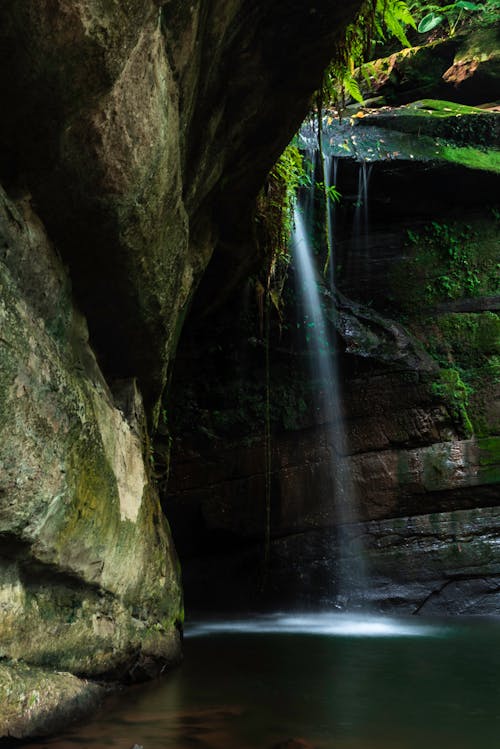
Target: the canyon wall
(418, 338)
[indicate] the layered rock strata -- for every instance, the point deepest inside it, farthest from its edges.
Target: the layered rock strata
(416, 311)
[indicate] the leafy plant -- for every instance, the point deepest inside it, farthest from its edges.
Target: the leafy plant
(330, 191)
(377, 19)
(451, 13)
(392, 17)
(446, 261)
(276, 202)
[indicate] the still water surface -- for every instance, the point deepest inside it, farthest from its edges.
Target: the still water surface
(328, 681)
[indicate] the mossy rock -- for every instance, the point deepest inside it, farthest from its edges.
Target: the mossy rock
(439, 119)
(35, 702)
(86, 551)
(464, 68)
(446, 260)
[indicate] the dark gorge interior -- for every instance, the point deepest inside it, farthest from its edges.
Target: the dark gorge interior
(242, 374)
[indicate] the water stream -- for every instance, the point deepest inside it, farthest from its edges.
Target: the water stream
(357, 259)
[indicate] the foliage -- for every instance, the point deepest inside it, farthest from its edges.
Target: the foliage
(431, 16)
(330, 191)
(471, 339)
(451, 13)
(290, 174)
(377, 19)
(290, 170)
(468, 344)
(274, 224)
(394, 16)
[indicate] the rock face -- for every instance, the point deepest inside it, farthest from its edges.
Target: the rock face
(463, 68)
(145, 144)
(134, 139)
(36, 702)
(77, 499)
(417, 316)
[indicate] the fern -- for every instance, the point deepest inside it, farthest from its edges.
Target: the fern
(376, 19)
(351, 86)
(395, 15)
(403, 13)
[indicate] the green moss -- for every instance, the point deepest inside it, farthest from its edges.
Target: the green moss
(473, 158)
(489, 451)
(489, 459)
(439, 123)
(439, 108)
(451, 388)
(469, 343)
(447, 260)
(470, 339)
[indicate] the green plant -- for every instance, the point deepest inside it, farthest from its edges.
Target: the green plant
(377, 20)
(451, 13)
(391, 18)
(274, 222)
(289, 170)
(331, 193)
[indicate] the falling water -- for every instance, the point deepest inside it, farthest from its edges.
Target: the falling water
(330, 171)
(360, 227)
(324, 366)
(310, 169)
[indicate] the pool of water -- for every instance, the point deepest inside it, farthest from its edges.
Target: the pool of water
(315, 681)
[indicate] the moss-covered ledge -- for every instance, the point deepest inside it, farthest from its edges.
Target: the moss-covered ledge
(35, 702)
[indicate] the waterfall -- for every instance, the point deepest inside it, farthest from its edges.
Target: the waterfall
(331, 174)
(348, 564)
(360, 225)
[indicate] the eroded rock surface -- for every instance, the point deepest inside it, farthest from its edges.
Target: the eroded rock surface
(144, 131)
(35, 702)
(90, 580)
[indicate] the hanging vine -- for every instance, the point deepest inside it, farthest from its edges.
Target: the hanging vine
(274, 225)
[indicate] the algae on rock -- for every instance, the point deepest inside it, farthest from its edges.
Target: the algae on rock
(86, 552)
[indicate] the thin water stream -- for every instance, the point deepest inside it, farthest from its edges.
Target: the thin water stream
(323, 681)
(348, 588)
(358, 256)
